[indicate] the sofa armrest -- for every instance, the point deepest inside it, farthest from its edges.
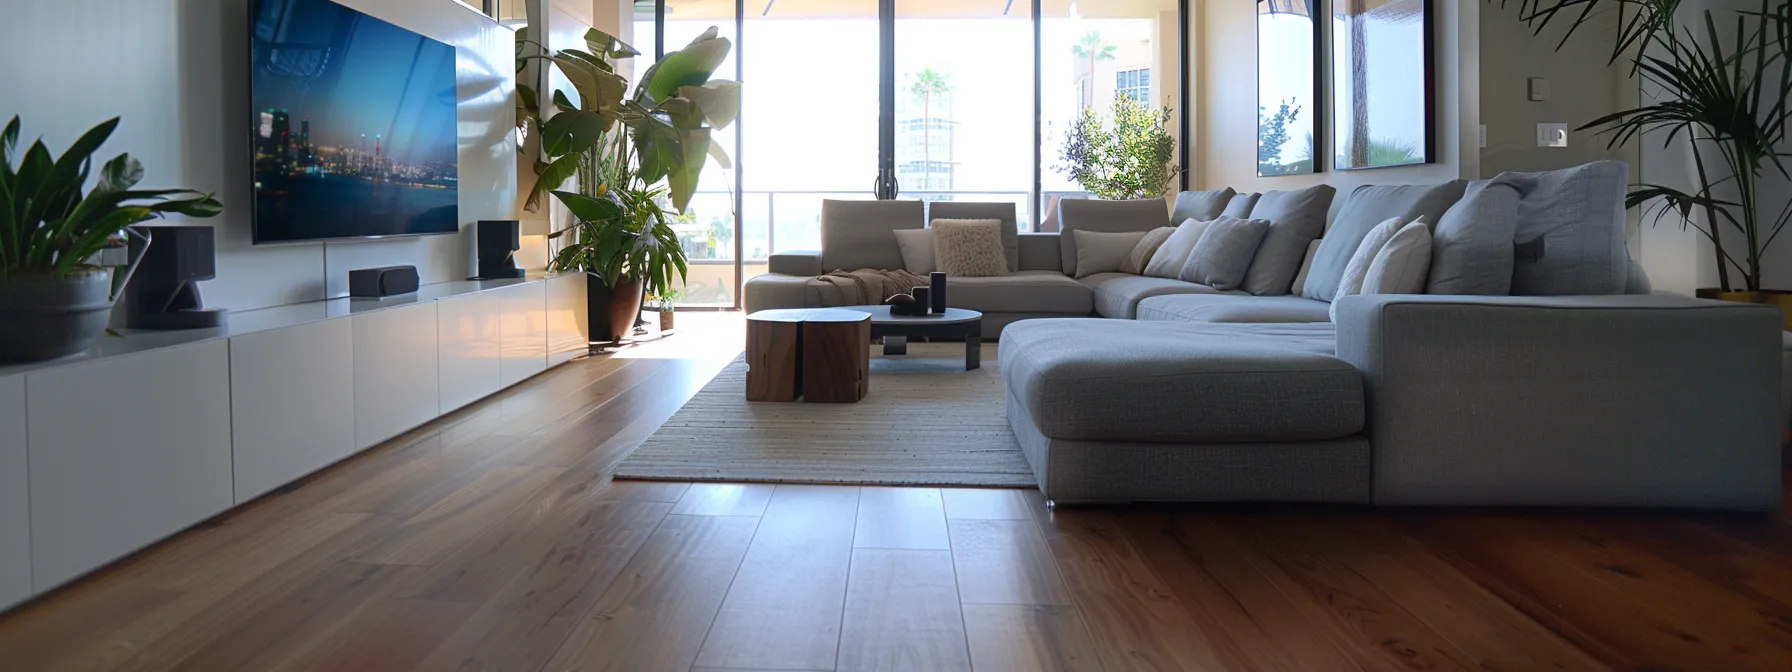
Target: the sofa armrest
(1039, 252)
(796, 263)
(1639, 400)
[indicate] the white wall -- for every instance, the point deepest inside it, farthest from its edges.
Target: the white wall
(1583, 86)
(1225, 150)
(177, 72)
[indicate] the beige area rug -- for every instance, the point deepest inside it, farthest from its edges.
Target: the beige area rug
(926, 421)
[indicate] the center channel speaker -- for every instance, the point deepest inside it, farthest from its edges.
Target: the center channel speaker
(379, 283)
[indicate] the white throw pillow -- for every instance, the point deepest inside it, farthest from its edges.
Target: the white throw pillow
(917, 249)
(1401, 266)
(1098, 252)
(1167, 262)
(1358, 266)
(969, 248)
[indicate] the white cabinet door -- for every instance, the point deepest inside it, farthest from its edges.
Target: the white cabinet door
(396, 374)
(15, 496)
(470, 349)
(524, 330)
(124, 452)
(292, 403)
(567, 324)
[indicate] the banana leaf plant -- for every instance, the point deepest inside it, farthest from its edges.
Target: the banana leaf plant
(1724, 90)
(50, 228)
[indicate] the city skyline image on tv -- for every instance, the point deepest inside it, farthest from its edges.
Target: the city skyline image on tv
(353, 121)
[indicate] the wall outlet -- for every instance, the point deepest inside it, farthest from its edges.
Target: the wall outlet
(1552, 135)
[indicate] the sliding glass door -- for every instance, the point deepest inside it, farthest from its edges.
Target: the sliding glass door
(965, 100)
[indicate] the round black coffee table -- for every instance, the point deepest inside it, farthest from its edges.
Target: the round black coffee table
(952, 324)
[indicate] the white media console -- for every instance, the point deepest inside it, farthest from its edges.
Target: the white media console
(107, 452)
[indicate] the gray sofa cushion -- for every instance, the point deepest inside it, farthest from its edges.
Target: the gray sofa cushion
(1571, 229)
(1284, 309)
(1241, 205)
(1117, 295)
(796, 263)
(1224, 253)
(1472, 243)
(1004, 212)
(772, 290)
(1366, 207)
(1128, 381)
(856, 234)
(1296, 218)
(1201, 205)
(1022, 292)
(1111, 216)
(1039, 252)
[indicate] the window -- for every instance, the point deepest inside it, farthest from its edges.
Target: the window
(1134, 84)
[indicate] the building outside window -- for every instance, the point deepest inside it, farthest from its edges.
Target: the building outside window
(1134, 84)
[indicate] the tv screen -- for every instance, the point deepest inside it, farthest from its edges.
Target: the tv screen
(353, 123)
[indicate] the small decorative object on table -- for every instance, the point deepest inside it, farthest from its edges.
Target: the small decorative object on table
(902, 304)
(923, 297)
(938, 293)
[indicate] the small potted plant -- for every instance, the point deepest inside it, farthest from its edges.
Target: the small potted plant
(668, 302)
(54, 301)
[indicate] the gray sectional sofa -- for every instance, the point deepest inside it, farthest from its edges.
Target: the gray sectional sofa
(1606, 396)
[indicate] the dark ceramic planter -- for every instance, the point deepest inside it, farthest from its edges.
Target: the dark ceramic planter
(612, 310)
(45, 318)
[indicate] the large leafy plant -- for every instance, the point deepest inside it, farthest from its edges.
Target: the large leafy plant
(50, 228)
(1125, 155)
(1721, 87)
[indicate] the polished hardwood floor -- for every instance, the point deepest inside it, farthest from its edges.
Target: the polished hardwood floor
(494, 539)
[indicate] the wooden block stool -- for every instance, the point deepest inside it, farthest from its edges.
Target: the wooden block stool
(820, 354)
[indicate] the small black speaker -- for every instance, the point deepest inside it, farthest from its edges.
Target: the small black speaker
(162, 293)
(377, 283)
(496, 243)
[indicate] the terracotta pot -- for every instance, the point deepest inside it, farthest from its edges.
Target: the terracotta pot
(1772, 297)
(612, 310)
(666, 320)
(45, 318)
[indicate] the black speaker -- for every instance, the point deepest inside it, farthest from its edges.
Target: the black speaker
(496, 242)
(162, 293)
(377, 283)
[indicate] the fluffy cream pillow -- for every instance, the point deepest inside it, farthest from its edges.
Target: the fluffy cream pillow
(917, 249)
(1168, 260)
(1100, 252)
(1358, 266)
(1141, 253)
(969, 248)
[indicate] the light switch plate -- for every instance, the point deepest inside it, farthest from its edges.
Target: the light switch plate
(1483, 136)
(1538, 88)
(1552, 135)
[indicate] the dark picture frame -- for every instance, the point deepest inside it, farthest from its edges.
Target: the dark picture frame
(1284, 125)
(1382, 82)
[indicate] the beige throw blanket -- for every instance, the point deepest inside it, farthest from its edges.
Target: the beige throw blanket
(866, 287)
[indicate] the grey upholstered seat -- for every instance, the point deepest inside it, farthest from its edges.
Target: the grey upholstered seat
(1022, 292)
(1117, 295)
(1228, 308)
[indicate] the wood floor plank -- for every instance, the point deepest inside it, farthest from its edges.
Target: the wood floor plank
(1005, 562)
(387, 635)
(654, 615)
(988, 503)
(902, 613)
(908, 518)
(1029, 638)
(783, 610)
(1138, 623)
(724, 499)
(439, 530)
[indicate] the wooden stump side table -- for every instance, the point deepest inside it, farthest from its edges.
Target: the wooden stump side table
(820, 354)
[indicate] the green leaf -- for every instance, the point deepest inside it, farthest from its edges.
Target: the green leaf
(62, 176)
(563, 103)
(719, 100)
(549, 176)
(684, 178)
(589, 209)
(600, 42)
(720, 155)
(690, 66)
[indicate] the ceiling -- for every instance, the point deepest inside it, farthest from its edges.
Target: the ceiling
(804, 9)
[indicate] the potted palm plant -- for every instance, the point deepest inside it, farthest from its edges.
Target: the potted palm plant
(635, 160)
(1723, 86)
(54, 301)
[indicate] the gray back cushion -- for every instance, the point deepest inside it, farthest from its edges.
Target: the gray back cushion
(1224, 252)
(858, 234)
(997, 211)
(1570, 236)
(1143, 214)
(1471, 250)
(1366, 207)
(1296, 218)
(1240, 205)
(1201, 206)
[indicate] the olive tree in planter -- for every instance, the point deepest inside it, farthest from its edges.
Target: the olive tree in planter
(1126, 154)
(53, 301)
(633, 160)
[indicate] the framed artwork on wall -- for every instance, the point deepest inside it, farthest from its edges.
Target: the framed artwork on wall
(1382, 82)
(1289, 89)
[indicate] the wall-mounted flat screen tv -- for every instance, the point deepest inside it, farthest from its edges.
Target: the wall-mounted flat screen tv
(353, 123)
